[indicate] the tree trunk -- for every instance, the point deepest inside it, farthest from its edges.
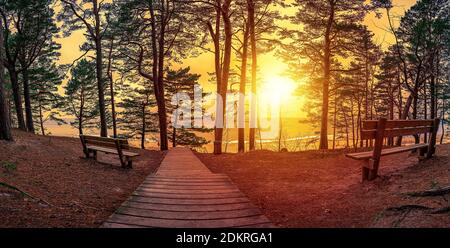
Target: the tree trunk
(334, 121)
(99, 71)
(346, 129)
(174, 137)
(218, 70)
(157, 72)
(404, 115)
(27, 98)
(242, 84)
(391, 111)
(425, 111)
(433, 112)
(81, 113)
(5, 122)
(358, 123)
(352, 115)
(280, 131)
(143, 128)
(366, 79)
(444, 99)
(10, 106)
(41, 118)
(80, 125)
(326, 81)
(17, 97)
(162, 112)
(253, 112)
(415, 108)
(400, 94)
(111, 88)
(225, 74)
(442, 118)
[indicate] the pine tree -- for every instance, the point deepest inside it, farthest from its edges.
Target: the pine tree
(324, 31)
(5, 122)
(36, 35)
(45, 78)
(136, 118)
(80, 98)
(389, 86)
(154, 35)
(181, 81)
(216, 16)
(90, 15)
(29, 29)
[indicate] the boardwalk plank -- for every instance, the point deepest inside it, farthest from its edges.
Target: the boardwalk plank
(263, 225)
(181, 184)
(187, 180)
(199, 215)
(118, 225)
(188, 196)
(153, 222)
(185, 193)
(190, 191)
(195, 186)
(180, 175)
(188, 201)
(189, 208)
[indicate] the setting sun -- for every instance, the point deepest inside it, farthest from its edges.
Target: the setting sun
(276, 89)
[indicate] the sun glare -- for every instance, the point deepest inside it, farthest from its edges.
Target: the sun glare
(277, 89)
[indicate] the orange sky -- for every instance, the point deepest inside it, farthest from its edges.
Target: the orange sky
(269, 65)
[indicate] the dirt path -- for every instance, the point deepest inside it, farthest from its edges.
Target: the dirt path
(80, 192)
(314, 189)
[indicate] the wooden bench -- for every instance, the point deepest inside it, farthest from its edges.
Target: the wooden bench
(381, 129)
(94, 144)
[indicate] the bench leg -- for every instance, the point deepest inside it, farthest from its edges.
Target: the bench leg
(94, 155)
(365, 173)
(368, 174)
(86, 153)
(422, 153)
(373, 174)
(126, 162)
(369, 170)
(123, 163)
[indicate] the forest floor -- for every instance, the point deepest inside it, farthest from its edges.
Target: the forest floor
(66, 189)
(302, 189)
(315, 189)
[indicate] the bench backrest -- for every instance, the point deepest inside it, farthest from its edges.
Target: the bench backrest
(394, 128)
(105, 142)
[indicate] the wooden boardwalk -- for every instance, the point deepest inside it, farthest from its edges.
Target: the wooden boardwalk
(185, 193)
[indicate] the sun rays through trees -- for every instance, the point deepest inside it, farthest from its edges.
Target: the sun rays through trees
(324, 60)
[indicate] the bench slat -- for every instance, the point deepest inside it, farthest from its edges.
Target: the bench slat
(112, 151)
(388, 133)
(108, 142)
(88, 137)
(101, 143)
(385, 152)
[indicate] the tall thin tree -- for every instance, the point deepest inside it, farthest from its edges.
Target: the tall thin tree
(90, 15)
(5, 123)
